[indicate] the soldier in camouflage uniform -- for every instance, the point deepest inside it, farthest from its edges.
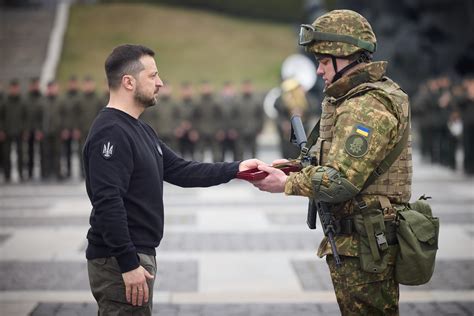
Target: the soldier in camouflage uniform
(364, 115)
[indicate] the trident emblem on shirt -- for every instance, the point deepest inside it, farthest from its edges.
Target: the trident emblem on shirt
(108, 150)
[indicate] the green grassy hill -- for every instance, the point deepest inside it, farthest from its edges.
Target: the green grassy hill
(190, 44)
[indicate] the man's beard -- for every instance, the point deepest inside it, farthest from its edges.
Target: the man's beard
(143, 99)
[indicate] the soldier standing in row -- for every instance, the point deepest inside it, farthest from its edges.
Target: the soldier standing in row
(168, 116)
(447, 141)
(14, 117)
(232, 122)
(434, 106)
(421, 116)
(252, 118)
(183, 133)
(203, 118)
(364, 116)
(89, 104)
(2, 128)
(52, 128)
(69, 111)
(34, 114)
(466, 106)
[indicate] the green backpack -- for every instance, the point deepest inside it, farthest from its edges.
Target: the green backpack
(417, 236)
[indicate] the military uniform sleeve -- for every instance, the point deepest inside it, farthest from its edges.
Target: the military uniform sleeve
(364, 134)
(110, 165)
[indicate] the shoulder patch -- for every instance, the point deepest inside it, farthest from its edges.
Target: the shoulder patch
(356, 145)
(362, 130)
(107, 150)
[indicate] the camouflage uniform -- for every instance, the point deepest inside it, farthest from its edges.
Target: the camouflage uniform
(364, 115)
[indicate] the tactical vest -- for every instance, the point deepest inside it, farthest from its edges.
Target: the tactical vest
(396, 182)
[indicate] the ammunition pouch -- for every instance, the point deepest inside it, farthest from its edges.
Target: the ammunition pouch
(417, 236)
(377, 245)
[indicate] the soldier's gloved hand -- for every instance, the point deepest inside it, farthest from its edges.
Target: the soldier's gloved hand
(274, 182)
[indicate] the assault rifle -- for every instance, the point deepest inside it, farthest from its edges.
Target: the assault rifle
(298, 137)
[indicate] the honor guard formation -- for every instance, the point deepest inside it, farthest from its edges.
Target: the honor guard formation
(47, 130)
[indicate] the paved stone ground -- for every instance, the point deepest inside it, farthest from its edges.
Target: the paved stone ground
(229, 250)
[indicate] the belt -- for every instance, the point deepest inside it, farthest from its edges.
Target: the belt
(347, 227)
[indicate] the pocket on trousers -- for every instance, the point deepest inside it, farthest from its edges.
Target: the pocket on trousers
(106, 280)
(351, 273)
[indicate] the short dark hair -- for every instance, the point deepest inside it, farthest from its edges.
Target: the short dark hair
(124, 60)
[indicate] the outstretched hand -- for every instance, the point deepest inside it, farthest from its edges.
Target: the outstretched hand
(274, 182)
(250, 164)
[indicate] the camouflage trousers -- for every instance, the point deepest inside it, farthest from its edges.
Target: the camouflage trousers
(362, 293)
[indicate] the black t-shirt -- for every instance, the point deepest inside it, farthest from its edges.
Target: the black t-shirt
(125, 164)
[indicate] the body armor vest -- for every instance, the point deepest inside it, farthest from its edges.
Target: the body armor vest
(396, 182)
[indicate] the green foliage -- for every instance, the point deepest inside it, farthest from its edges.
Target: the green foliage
(189, 44)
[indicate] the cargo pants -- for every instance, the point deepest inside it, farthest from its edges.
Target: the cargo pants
(108, 288)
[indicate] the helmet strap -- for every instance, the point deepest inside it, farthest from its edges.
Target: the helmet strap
(338, 74)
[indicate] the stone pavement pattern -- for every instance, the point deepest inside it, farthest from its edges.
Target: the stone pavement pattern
(229, 250)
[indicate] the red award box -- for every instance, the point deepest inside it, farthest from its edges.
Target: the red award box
(256, 174)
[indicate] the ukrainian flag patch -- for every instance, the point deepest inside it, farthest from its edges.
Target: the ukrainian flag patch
(362, 130)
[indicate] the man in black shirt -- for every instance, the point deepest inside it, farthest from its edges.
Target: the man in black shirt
(125, 165)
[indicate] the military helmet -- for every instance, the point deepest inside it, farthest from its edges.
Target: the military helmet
(339, 33)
